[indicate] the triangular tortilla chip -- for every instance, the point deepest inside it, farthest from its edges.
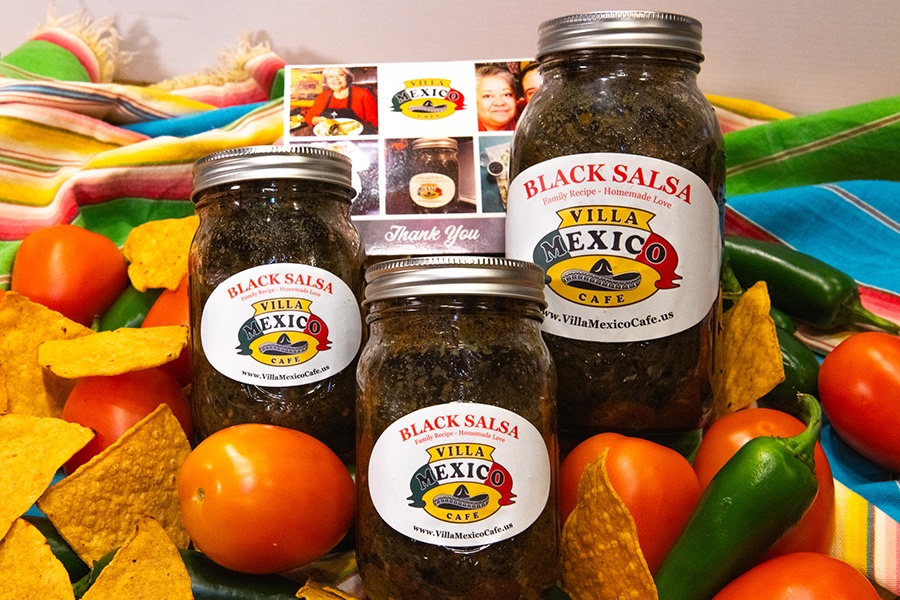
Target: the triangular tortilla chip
(114, 352)
(157, 252)
(32, 449)
(28, 567)
(97, 507)
(32, 390)
(148, 566)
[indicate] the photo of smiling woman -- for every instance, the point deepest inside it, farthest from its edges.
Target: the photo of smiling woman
(496, 96)
(341, 99)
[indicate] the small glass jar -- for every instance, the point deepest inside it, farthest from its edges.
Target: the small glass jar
(434, 175)
(276, 271)
(618, 175)
(456, 446)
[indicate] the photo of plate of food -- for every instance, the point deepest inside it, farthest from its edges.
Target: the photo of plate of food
(338, 127)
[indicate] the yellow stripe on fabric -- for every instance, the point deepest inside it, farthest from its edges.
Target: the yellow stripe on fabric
(749, 108)
(262, 126)
(851, 540)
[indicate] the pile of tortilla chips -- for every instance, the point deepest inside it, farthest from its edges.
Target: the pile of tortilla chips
(126, 496)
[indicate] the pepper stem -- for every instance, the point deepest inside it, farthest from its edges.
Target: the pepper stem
(861, 315)
(803, 445)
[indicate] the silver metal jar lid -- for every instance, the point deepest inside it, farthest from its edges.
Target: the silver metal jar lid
(620, 29)
(443, 143)
(454, 276)
(272, 162)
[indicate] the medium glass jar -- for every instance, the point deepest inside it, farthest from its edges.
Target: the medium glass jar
(434, 175)
(276, 271)
(618, 194)
(456, 446)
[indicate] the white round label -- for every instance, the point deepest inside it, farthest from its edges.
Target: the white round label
(281, 325)
(631, 245)
(431, 190)
(460, 475)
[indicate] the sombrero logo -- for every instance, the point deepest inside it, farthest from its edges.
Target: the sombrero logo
(283, 332)
(428, 99)
(461, 483)
(606, 256)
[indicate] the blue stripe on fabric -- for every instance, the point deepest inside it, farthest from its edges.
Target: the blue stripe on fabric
(193, 124)
(859, 240)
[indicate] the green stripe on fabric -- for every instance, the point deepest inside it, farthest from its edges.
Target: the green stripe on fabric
(115, 219)
(40, 57)
(858, 142)
(7, 254)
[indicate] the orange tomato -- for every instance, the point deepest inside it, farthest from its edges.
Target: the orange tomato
(111, 404)
(656, 483)
(71, 270)
(171, 308)
(800, 576)
(265, 499)
(815, 531)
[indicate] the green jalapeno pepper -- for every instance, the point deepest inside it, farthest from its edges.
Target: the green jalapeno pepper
(210, 581)
(754, 499)
(129, 309)
(801, 373)
(803, 286)
(75, 567)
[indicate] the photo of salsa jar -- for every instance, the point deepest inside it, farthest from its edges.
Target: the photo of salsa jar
(276, 273)
(456, 449)
(434, 175)
(617, 192)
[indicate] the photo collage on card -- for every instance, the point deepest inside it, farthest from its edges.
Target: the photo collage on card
(429, 144)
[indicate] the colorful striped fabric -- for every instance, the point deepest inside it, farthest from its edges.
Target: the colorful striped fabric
(843, 216)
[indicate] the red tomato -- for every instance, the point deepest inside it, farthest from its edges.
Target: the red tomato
(111, 404)
(71, 270)
(265, 499)
(656, 483)
(815, 531)
(800, 576)
(859, 384)
(171, 308)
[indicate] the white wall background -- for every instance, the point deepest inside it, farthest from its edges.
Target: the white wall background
(798, 55)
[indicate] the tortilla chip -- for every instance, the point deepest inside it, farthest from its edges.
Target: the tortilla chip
(148, 566)
(157, 252)
(29, 568)
(113, 352)
(32, 449)
(31, 390)
(315, 591)
(601, 556)
(748, 356)
(97, 507)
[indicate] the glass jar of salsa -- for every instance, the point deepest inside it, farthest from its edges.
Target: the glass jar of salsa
(618, 194)
(276, 271)
(456, 446)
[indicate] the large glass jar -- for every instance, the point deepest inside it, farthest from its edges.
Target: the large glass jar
(456, 448)
(276, 270)
(618, 194)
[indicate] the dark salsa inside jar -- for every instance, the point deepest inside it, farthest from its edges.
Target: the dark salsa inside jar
(249, 224)
(638, 101)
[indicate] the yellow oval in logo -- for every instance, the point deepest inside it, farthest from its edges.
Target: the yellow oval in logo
(284, 348)
(603, 281)
(462, 502)
(428, 108)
